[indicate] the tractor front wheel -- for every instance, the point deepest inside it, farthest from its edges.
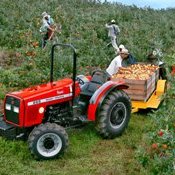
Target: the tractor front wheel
(47, 141)
(114, 114)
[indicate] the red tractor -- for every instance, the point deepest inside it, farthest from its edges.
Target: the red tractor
(44, 112)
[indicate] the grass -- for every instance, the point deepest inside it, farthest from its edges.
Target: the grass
(87, 153)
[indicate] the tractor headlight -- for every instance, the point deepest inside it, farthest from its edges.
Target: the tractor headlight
(16, 109)
(7, 106)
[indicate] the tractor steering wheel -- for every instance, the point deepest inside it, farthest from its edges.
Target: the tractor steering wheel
(81, 79)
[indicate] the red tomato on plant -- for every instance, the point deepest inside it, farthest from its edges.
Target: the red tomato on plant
(160, 133)
(154, 146)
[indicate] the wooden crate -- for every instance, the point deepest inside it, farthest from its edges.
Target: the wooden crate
(140, 90)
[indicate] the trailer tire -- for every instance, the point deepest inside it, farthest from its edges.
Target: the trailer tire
(114, 114)
(47, 141)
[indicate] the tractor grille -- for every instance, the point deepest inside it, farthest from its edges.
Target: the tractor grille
(12, 109)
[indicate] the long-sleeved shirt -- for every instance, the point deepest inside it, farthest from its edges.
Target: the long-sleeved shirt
(113, 30)
(46, 24)
(114, 65)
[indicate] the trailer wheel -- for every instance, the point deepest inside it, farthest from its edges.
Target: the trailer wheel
(114, 114)
(48, 141)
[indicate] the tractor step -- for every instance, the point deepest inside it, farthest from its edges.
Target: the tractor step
(83, 119)
(79, 116)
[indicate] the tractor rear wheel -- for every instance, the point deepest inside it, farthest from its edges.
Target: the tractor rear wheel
(47, 141)
(114, 114)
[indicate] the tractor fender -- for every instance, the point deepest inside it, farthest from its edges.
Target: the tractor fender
(99, 95)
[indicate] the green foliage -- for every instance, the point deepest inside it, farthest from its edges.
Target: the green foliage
(159, 153)
(83, 26)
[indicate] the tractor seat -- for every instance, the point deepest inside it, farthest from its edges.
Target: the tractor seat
(98, 79)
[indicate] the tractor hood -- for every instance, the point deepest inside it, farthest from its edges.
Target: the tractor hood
(55, 88)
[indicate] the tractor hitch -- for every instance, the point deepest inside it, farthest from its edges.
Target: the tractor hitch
(7, 130)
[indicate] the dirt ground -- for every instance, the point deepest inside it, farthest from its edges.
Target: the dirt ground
(10, 59)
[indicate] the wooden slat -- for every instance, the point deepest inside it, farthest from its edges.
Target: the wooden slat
(140, 90)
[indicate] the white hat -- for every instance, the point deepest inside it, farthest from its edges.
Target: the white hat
(121, 46)
(125, 51)
(112, 21)
(44, 14)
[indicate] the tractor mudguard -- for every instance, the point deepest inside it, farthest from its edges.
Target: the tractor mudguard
(98, 97)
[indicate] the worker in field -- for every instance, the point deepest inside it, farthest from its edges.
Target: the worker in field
(154, 58)
(117, 62)
(113, 32)
(130, 59)
(47, 28)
